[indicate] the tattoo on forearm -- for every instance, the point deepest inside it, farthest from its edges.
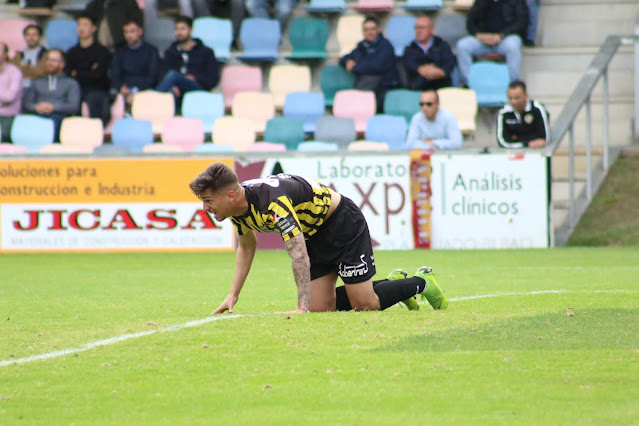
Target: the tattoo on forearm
(296, 248)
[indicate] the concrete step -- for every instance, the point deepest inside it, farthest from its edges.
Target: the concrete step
(560, 166)
(561, 190)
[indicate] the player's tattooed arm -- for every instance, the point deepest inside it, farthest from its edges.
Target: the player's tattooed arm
(296, 248)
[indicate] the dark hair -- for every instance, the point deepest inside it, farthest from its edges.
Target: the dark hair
(184, 20)
(130, 21)
(85, 16)
(433, 91)
(216, 176)
(517, 83)
(371, 18)
(30, 26)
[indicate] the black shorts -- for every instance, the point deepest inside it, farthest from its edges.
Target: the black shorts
(343, 245)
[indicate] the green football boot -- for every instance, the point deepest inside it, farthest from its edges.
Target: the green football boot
(435, 296)
(411, 302)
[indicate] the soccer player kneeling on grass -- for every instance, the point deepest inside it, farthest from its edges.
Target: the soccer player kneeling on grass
(325, 235)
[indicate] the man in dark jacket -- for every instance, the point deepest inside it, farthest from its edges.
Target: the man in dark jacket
(523, 122)
(110, 16)
(428, 60)
(189, 64)
(88, 62)
(135, 65)
(373, 62)
(495, 26)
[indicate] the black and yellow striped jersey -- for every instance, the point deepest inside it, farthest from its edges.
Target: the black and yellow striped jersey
(284, 203)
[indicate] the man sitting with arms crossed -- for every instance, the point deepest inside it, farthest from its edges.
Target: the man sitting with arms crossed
(325, 235)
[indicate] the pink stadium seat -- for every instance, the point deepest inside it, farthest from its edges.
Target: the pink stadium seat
(239, 78)
(12, 34)
(356, 104)
(255, 106)
(266, 147)
(374, 5)
(8, 148)
(186, 133)
(77, 135)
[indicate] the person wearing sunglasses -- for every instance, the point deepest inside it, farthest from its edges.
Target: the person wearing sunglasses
(433, 127)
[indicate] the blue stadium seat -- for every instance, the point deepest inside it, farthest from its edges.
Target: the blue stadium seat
(490, 82)
(132, 134)
(61, 33)
(390, 129)
(451, 28)
(402, 102)
(307, 106)
(215, 33)
(32, 131)
(159, 32)
(316, 146)
(260, 38)
(335, 129)
(203, 105)
(425, 5)
(288, 131)
(326, 6)
(400, 32)
(211, 147)
(308, 38)
(334, 78)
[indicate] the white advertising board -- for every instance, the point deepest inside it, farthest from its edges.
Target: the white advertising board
(489, 201)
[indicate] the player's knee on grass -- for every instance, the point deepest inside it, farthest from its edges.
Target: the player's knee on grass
(323, 304)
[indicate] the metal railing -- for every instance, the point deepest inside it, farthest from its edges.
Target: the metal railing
(580, 98)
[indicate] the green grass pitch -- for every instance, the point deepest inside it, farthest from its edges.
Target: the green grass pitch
(569, 357)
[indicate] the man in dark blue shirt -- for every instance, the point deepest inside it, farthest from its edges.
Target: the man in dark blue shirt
(373, 62)
(135, 65)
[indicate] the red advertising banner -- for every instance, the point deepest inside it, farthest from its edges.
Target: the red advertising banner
(420, 172)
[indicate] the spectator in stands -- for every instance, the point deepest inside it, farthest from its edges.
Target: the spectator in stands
(261, 8)
(373, 62)
(433, 127)
(88, 62)
(110, 16)
(495, 26)
(135, 65)
(428, 60)
(10, 85)
(523, 122)
(533, 16)
(30, 60)
(189, 64)
(55, 95)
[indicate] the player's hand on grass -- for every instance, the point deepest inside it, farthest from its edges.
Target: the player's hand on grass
(227, 305)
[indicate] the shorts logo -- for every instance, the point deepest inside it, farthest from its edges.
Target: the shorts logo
(353, 270)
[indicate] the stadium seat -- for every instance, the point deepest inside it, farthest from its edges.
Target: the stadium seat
(284, 79)
(260, 38)
(232, 131)
(356, 104)
(317, 146)
(423, 5)
(400, 31)
(132, 134)
(308, 38)
(349, 32)
(215, 33)
(239, 78)
(367, 146)
(162, 148)
(266, 147)
(402, 102)
(9, 148)
(255, 106)
(451, 28)
(390, 129)
(462, 103)
(289, 131)
(204, 106)
(335, 129)
(334, 78)
(81, 133)
(154, 106)
(61, 33)
(490, 82)
(159, 32)
(374, 5)
(326, 6)
(463, 4)
(12, 34)
(184, 132)
(306, 106)
(32, 131)
(212, 147)
(110, 149)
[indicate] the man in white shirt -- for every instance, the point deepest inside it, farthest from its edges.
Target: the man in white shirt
(433, 127)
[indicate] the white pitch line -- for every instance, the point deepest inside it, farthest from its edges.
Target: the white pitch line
(197, 323)
(116, 339)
